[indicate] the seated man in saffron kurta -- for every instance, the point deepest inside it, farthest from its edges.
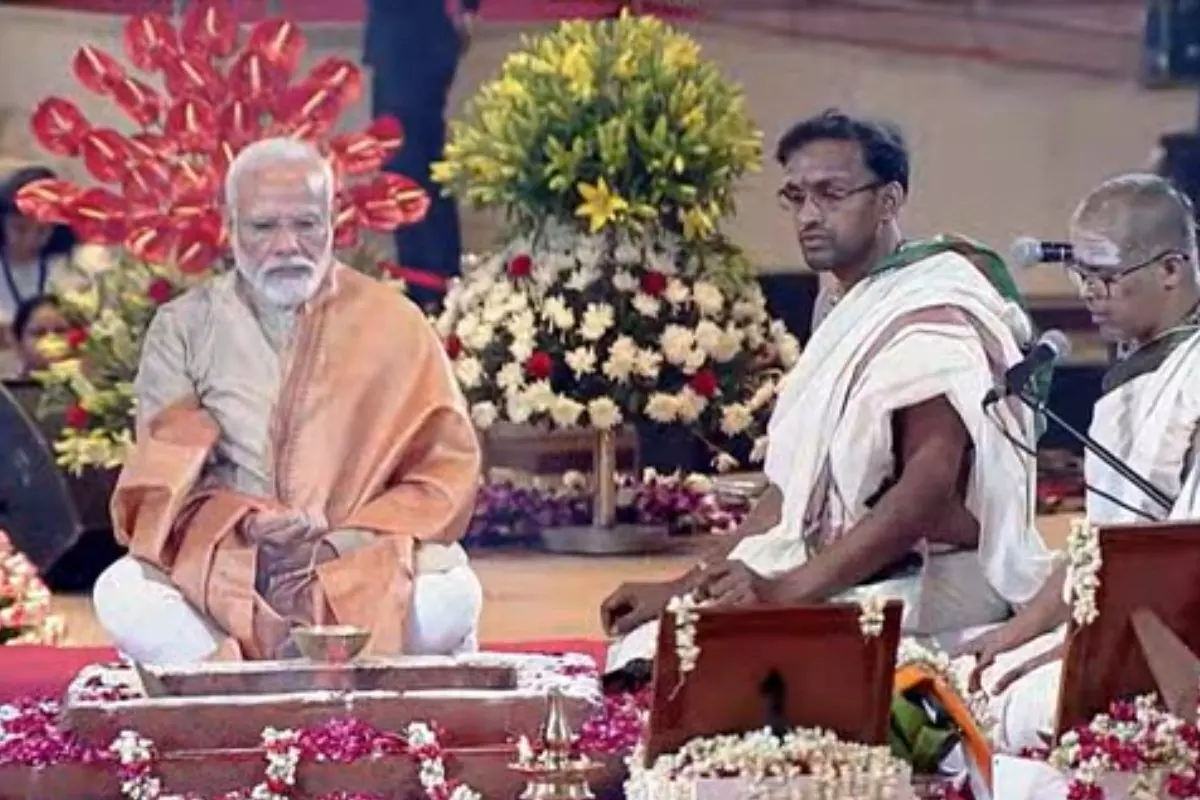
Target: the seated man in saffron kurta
(303, 455)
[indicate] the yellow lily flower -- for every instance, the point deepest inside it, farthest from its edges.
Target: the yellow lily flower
(600, 204)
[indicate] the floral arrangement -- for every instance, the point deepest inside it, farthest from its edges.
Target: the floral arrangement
(1083, 572)
(810, 763)
(24, 601)
(506, 511)
(1157, 750)
(158, 189)
(613, 150)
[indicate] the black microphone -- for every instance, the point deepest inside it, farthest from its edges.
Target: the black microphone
(1051, 347)
(1027, 251)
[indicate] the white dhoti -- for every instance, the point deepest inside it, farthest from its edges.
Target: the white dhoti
(151, 621)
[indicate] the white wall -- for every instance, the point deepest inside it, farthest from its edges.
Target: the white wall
(997, 152)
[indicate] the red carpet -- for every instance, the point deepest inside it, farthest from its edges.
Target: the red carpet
(46, 671)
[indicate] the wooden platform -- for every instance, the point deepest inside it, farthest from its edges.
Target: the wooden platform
(527, 595)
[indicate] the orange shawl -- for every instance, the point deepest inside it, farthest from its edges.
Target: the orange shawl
(370, 427)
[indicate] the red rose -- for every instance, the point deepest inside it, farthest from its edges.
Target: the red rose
(520, 266)
(704, 383)
(76, 417)
(453, 346)
(539, 365)
(160, 290)
(76, 338)
(654, 283)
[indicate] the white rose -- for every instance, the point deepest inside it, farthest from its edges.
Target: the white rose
(648, 363)
(677, 292)
(484, 414)
(694, 361)
(789, 350)
(479, 337)
(646, 305)
(565, 412)
(519, 409)
(604, 413)
(708, 335)
(735, 418)
(728, 346)
(749, 310)
(521, 348)
(466, 326)
(597, 319)
(581, 360)
(677, 342)
(558, 314)
(708, 298)
(624, 281)
(662, 408)
(522, 325)
(691, 405)
(622, 357)
(539, 395)
(469, 371)
(511, 377)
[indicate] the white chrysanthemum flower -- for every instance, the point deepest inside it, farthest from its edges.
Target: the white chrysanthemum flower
(539, 395)
(694, 361)
(622, 357)
(677, 292)
(691, 405)
(646, 305)
(708, 298)
(648, 364)
(510, 377)
(522, 325)
(581, 360)
(565, 412)
(603, 413)
(623, 281)
(626, 252)
(662, 408)
(518, 407)
(597, 319)
(662, 261)
(589, 250)
(479, 337)
(521, 347)
(556, 311)
(728, 346)
(484, 414)
(735, 418)
(677, 343)
(708, 335)
(469, 371)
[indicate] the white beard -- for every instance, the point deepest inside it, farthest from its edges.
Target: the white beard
(285, 286)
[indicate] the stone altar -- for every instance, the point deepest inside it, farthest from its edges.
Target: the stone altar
(206, 721)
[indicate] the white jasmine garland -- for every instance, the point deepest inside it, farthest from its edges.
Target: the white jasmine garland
(686, 611)
(954, 673)
(871, 617)
(1083, 572)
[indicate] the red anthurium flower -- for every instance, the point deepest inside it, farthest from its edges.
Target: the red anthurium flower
(388, 133)
(140, 102)
(346, 222)
(191, 123)
(96, 69)
(222, 156)
(208, 28)
(76, 338)
(47, 200)
(256, 79)
(198, 247)
(355, 154)
(191, 76)
(519, 266)
(76, 417)
(280, 41)
(654, 283)
(98, 216)
(389, 201)
(150, 40)
(151, 147)
(106, 154)
(539, 365)
(341, 76)
(59, 126)
(152, 240)
(307, 102)
(146, 183)
(240, 122)
(159, 291)
(704, 383)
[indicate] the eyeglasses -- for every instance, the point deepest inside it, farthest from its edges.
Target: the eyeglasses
(1089, 281)
(825, 197)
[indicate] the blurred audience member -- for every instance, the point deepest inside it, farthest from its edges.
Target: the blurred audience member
(413, 47)
(35, 319)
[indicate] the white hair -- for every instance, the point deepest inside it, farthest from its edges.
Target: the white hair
(278, 150)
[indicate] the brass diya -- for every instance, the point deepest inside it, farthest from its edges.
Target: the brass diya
(553, 772)
(330, 644)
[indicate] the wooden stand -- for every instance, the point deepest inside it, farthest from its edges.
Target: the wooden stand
(1148, 632)
(807, 666)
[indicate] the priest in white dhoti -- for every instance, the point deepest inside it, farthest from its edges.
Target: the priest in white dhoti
(303, 453)
(886, 475)
(1135, 265)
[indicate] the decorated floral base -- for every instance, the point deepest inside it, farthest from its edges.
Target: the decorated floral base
(1032, 779)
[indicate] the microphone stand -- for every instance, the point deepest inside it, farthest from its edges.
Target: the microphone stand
(1100, 451)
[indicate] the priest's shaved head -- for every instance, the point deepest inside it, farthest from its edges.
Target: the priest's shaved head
(1135, 260)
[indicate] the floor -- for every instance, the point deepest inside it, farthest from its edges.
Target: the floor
(527, 595)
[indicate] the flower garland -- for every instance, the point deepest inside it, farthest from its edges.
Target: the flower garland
(686, 610)
(1083, 572)
(1160, 751)
(870, 615)
(24, 601)
(955, 673)
(829, 766)
(339, 741)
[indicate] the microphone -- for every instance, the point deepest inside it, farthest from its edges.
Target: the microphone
(1027, 251)
(1051, 347)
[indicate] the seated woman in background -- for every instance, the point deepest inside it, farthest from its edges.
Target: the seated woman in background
(35, 319)
(32, 253)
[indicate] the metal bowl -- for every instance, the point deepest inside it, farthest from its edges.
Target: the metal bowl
(330, 644)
